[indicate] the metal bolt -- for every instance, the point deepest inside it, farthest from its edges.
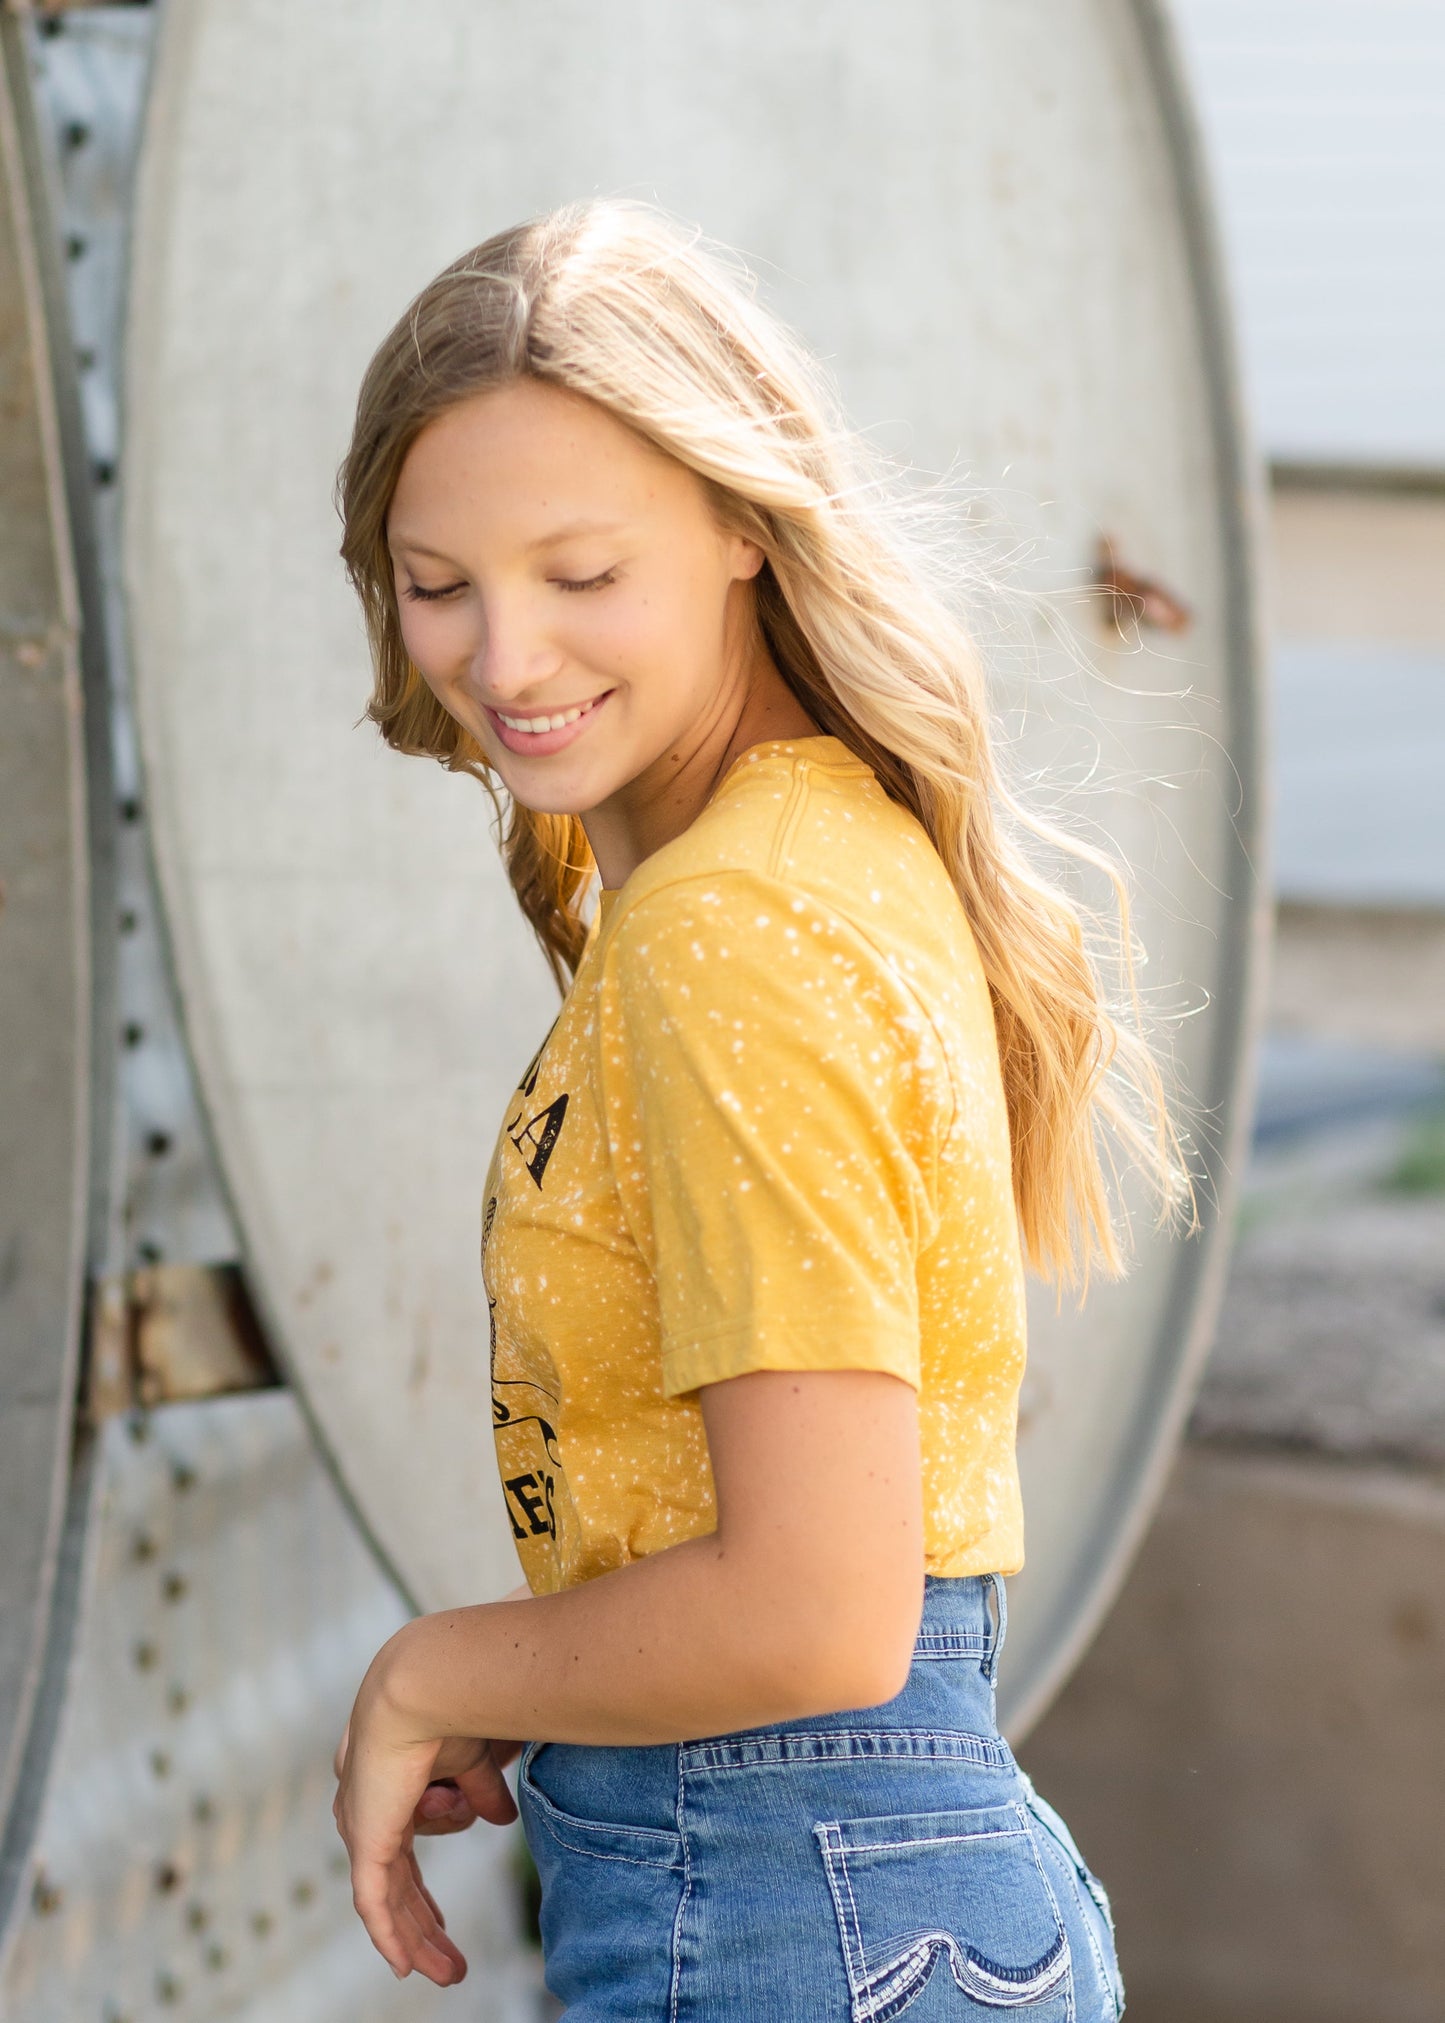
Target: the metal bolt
(143, 1547)
(75, 133)
(262, 1923)
(132, 1032)
(46, 1896)
(182, 1477)
(202, 1810)
(197, 1917)
(160, 1763)
(146, 1656)
(158, 1143)
(168, 1878)
(303, 1893)
(173, 1587)
(217, 1957)
(168, 1988)
(177, 1700)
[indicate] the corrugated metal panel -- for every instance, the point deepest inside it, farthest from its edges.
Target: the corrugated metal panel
(187, 1864)
(44, 966)
(1325, 126)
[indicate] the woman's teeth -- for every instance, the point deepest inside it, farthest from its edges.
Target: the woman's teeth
(548, 723)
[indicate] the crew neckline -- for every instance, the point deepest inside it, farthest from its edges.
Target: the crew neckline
(608, 895)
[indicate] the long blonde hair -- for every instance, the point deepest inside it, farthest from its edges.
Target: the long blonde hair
(619, 302)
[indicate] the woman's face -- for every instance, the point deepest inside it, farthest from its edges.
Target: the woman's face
(567, 594)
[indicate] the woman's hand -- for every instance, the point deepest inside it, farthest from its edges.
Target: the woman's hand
(382, 1778)
(467, 1785)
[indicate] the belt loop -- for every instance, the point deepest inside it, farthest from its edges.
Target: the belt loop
(1000, 1602)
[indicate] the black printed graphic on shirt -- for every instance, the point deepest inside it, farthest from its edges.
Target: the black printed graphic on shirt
(523, 1415)
(534, 1134)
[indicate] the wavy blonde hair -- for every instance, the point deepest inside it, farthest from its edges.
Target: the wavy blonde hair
(619, 302)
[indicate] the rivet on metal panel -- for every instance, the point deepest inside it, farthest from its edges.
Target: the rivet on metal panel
(177, 1700)
(262, 1924)
(203, 1809)
(143, 1547)
(160, 1763)
(303, 1893)
(168, 1987)
(197, 1917)
(217, 1958)
(168, 1878)
(173, 1587)
(46, 1896)
(146, 1656)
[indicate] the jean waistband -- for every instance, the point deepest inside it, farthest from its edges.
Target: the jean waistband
(964, 1617)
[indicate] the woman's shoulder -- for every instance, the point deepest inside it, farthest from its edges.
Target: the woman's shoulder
(805, 817)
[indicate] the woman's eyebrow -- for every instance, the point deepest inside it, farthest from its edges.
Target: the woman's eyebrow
(400, 541)
(570, 532)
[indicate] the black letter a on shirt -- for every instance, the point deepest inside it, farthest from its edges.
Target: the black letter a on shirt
(535, 1139)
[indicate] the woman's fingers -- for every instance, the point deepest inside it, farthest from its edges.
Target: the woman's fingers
(403, 1922)
(420, 1881)
(419, 1925)
(442, 1808)
(485, 1790)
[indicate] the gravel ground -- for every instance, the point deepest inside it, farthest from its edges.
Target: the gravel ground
(1332, 1332)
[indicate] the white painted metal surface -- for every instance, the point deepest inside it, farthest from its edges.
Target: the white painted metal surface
(1324, 124)
(187, 1865)
(990, 219)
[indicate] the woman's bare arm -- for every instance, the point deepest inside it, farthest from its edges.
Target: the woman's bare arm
(806, 1599)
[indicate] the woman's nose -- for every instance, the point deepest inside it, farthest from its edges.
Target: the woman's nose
(511, 657)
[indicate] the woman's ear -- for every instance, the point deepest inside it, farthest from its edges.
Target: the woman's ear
(747, 557)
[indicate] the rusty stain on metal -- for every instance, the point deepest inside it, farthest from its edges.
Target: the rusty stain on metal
(171, 1331)
(1136, 602)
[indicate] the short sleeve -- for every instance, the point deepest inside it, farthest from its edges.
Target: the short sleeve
(775, 1104)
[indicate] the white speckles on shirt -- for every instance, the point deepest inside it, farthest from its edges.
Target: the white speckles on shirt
(784, 1146)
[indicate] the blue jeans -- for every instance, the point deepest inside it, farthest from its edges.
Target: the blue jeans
(849, 1867)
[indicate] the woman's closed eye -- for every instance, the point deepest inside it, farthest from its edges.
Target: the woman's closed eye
(421, 594)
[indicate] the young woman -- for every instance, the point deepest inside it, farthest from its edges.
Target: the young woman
(830, 1064)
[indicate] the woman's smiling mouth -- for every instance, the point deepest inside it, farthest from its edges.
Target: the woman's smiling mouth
(541, 734)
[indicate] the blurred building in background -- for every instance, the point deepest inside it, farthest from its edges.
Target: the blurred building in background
(1253, 1751)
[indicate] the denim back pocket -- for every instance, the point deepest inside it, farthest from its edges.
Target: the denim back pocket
(955, 1893)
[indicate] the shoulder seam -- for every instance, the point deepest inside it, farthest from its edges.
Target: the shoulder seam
(792, 816)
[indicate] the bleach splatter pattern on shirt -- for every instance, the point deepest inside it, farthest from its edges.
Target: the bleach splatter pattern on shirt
(767, 1131)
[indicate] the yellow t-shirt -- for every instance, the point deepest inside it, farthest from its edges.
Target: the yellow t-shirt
(767, 1131)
